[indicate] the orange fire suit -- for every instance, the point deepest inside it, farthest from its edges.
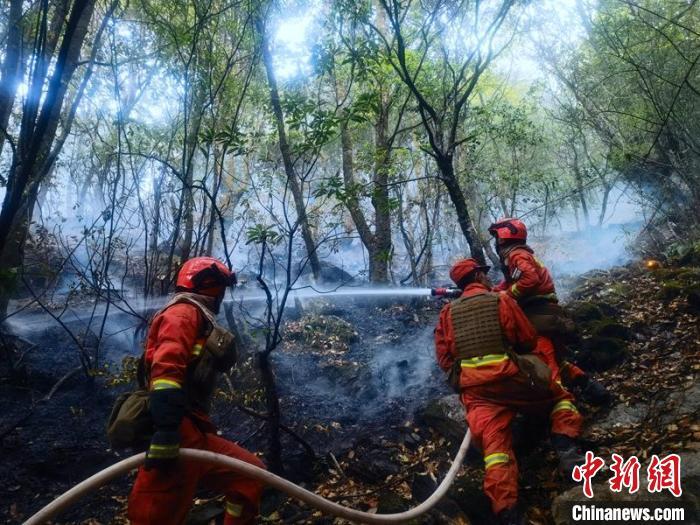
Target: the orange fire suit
(493, 390)
(174, 342)
(528, 278)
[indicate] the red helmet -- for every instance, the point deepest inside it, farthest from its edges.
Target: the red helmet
(205, 275)
(462, 269)
(509, 229)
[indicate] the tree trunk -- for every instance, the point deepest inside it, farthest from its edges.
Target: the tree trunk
(32, 158)
(272, 404)
(11, 67)
(216, 183)
(458, 200)
(381, 250)
(294, 183)
(191, 141)
(377, 244)
(578, 177)
(604, 205)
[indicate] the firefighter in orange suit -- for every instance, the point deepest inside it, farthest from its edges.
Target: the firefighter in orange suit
(181, 376)
(529, 282)
(476, 340)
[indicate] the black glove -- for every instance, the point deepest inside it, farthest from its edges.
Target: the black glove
(167, 407)
(164, 450)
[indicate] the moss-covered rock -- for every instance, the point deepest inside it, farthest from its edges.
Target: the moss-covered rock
(605, 352)
(694, 298)
(671, 290)
(666, 274)
(584, 312)
(608, 327)
(686, 275)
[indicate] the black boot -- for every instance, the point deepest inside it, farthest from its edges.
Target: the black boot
(569, 454)
(592, 392)
(512, 516)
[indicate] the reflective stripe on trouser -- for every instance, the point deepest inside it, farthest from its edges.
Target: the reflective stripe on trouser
(159, 498)
(239, 514)
(162, 384)
(565, 418)
(495, 459)
(564, 404)
(163, 451)
(483, 360)
(234, 509)
(490, 426)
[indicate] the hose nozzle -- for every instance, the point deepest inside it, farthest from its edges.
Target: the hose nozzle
(448, 293)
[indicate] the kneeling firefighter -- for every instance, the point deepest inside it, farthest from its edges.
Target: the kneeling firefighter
(483, 340)
(185, 351)
(529, 282)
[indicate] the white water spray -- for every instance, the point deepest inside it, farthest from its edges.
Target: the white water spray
(30, 322)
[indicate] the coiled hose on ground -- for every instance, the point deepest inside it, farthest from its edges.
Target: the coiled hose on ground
(101, 478)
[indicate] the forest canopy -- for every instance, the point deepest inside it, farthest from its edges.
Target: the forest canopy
(377, 136)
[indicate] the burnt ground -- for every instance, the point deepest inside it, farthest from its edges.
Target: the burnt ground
(342, 390)
(358, 380)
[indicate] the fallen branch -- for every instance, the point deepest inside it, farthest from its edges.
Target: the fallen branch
(44, 399)
(307, 447)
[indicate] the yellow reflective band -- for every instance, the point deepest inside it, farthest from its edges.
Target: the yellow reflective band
(234, 509)
(490, 359)
(514, 290)
(161, 455)
(196, 349)
(564, 405)
(161, 384)
(495, 459)
(539, 262)
(163, 451)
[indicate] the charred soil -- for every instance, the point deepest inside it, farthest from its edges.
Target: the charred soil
(358, 382)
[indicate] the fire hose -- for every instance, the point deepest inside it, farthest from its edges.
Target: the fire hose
(96, 481)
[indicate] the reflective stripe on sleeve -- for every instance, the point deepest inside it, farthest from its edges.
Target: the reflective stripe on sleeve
(196, 349)
(564, 405)
(514, 290)
(490, 359)
(495, 459)
(162, 384)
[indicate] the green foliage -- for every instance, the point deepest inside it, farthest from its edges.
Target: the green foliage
(332, 187)
(260, 233)
(636, 80)
(311, 125)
